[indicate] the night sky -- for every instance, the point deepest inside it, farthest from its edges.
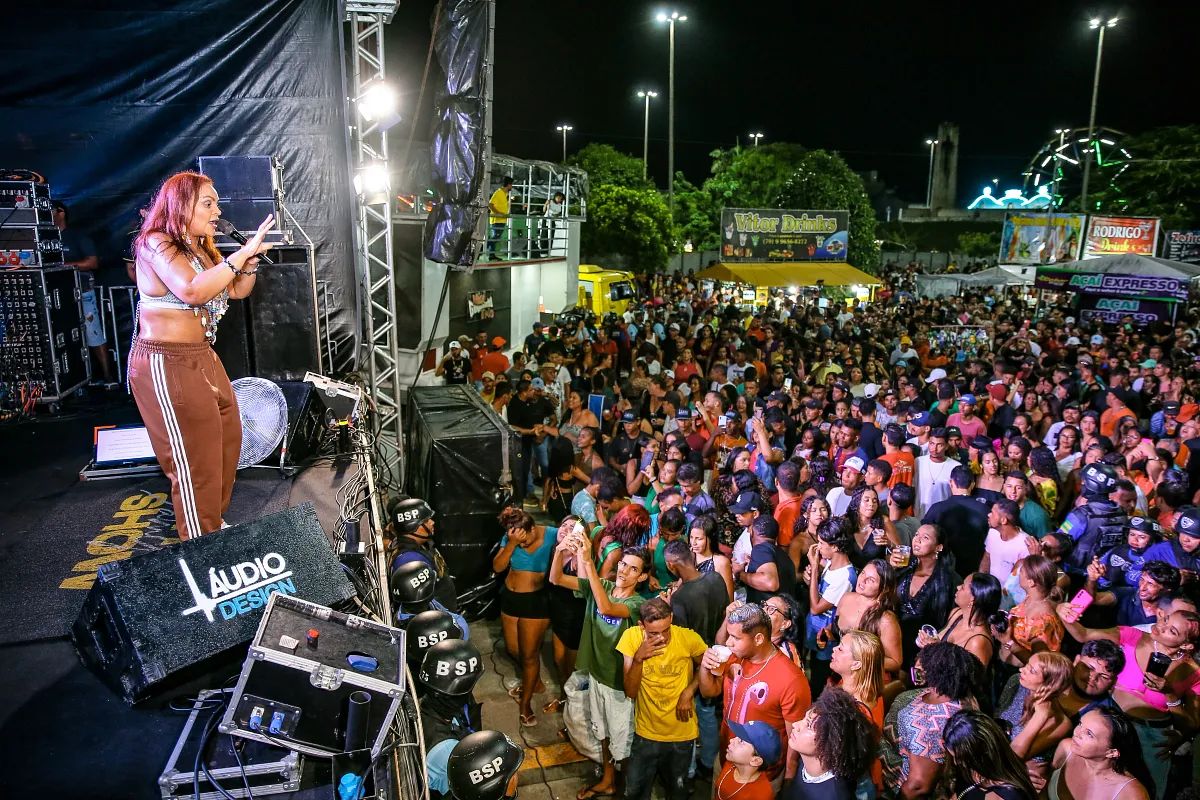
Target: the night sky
(870, 81)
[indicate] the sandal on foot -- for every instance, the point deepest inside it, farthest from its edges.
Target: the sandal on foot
(554, 706)
(528, 721)
(514, 692)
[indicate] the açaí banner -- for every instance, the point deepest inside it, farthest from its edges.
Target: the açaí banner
(1032, 239)
(772, 234)
(1183, 246)
(1112, 310)
(1109, 236)
(1100, 284)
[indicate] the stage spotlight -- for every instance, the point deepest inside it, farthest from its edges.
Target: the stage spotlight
(380, 104)
(372, 182)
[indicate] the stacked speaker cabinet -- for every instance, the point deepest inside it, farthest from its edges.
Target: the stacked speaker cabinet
(41, 332)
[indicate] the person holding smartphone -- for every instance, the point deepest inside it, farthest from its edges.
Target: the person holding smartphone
(1160, 683)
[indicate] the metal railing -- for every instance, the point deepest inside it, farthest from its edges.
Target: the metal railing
(527, 238)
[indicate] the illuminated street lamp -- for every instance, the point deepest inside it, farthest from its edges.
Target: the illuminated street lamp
(563, 130)
(1102, 25)
(933, 143)
(671, 18)
(646, 130)
(756, 137)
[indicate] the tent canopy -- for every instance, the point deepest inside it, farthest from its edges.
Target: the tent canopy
(788, 273)
(1132, 264)
(999, 276)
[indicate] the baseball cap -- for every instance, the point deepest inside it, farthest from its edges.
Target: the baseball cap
(759, 735)
(901, 364)
(842, 385)
(683, 413)
(936, 375)
(746, 502)
(537, 383)
(969, 399)
(488, 374)
(1172, 407)
(889, 393)
(1072, 341)
(1097, 339)
(1069, 320)
(905, 340)
(669, 373)
(998, 391)
(855, 463)
(455, 344)
(981, 443)
(953, 431)
(1149, 363)
(498, 341)
(812, 403)
(920, 419)
(870, 390)
(627, 416)
(1071, 404)
(1188, 523)
(674, 326)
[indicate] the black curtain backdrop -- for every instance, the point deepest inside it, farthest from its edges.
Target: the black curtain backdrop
(107, 99)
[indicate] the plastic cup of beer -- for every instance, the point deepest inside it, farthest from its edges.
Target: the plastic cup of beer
(724, 653)
(903, 555)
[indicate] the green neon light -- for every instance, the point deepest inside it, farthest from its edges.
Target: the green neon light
(1099, 160)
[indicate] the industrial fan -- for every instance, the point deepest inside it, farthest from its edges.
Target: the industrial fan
(264, 414)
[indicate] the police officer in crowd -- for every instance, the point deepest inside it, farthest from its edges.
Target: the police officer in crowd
(412, 527)
(484, 766)
(1098, 523)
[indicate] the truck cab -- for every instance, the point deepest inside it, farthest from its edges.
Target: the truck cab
(605, 290)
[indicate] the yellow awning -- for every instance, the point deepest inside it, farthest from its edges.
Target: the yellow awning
(788, 273)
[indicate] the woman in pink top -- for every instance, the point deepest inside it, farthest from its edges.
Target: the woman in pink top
(1155, 704)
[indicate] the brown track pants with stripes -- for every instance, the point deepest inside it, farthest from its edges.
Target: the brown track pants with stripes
(189, 410)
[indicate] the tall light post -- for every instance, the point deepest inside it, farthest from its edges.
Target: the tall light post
(1062, 135)
(1102, 25)
(756, 137)
(671, 19)
(563, 130)
(646, 130)
(933, 143)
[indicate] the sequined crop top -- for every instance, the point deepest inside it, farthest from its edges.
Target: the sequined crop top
(216, 307)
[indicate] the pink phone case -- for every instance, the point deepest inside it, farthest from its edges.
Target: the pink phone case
(1082, 600)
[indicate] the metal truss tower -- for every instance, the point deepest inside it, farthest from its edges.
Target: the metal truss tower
(369, 146)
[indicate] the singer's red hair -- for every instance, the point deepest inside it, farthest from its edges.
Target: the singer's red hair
(171, 211)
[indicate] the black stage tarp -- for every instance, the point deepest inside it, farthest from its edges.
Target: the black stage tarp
(107, 99)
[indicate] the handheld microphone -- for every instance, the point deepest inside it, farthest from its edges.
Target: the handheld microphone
(226, 227)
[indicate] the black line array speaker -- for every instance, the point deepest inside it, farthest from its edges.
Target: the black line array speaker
(148, 619)
(273, 334)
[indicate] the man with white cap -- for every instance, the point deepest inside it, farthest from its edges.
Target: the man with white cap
(455, 368)
(839, 496)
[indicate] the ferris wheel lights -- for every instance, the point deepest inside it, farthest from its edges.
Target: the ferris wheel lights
(1108, 142)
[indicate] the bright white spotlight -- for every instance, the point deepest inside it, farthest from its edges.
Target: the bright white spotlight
(380, 104)
(1094, 23)
(372, 180)
(661, 17)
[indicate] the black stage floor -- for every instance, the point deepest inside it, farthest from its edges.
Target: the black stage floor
(63, 734)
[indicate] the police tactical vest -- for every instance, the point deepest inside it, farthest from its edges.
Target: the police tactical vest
(1106, 525)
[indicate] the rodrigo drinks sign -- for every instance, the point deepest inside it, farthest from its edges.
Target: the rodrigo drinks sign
(1107, 236)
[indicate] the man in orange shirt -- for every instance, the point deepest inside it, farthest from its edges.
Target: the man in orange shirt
(901, 461)
(787, 481)
(1112, 416)
(495, 361)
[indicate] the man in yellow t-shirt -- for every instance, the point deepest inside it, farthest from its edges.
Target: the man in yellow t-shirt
(498, 214)
(661, 677)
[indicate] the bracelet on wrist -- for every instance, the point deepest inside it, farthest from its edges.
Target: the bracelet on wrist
(1173, 703)
(232, 268)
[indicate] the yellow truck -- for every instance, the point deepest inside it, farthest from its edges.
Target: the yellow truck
(603, 290)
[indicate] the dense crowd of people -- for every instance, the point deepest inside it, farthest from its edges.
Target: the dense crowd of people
(820, 549)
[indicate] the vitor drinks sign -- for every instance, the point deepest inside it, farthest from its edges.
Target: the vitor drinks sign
(1107, 236)
(773, 234)
(1151, 287)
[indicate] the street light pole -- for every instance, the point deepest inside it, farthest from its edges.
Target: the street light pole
(563, 129)
(646, 131)
(1062, 134)
(1087, 160)
(929, 189)
(756, 137)
(671, 19)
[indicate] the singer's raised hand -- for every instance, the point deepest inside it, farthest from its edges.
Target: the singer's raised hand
(256, 245)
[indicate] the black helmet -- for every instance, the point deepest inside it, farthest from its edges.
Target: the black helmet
(482, 764)
(451, 667)
(426, 629)
(413, 582)
(409, 514)
(1099, 480)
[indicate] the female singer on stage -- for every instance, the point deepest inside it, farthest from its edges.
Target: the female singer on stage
(181, 389)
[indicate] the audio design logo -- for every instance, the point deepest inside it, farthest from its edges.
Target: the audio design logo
(241, 588)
